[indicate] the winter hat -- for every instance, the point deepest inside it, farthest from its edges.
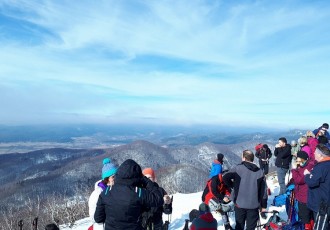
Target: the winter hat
(149, 171)
(193, 214)
(204, 208)
(302, 155)
(108, 169)
(220, 157)
(325, 125)
(293, 142)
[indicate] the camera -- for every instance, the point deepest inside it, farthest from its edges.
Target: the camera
(167, 208)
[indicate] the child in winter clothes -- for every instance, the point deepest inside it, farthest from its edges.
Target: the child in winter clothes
(301, 188)
(205, 221)
(108, 172)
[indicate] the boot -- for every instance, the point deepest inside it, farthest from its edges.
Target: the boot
(228, 227)
(308, 226)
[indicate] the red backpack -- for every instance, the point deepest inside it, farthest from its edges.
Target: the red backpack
(258, 147)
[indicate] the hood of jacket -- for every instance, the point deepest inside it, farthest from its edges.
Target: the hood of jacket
(207, 217)
(129, 173)
(252, 167)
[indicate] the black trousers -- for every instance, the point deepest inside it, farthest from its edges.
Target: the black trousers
(250, 216)
(264, 167)
(304, 213)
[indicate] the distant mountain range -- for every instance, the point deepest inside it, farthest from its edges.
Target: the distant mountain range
(29, 138)
(181, 160)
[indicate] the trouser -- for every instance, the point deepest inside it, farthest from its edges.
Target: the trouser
(281, 172)
(155, 226)
(248, 216)
(264, 167)
(304, 213)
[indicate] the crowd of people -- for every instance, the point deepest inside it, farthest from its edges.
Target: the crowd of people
(128, 197)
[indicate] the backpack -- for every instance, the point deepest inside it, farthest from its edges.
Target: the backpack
(275, 222)
(207, 194)
(281, 200)
(258, 147)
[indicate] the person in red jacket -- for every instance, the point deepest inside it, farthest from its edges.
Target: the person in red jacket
(301, 188)
(205, 221)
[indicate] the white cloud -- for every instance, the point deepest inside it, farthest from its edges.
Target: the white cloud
(249, 62)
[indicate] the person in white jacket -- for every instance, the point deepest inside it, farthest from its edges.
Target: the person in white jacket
(108, 172)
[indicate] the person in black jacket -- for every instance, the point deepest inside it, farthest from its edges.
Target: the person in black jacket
(283, 159)
(264, 154)
(152, 218)
(121, 206)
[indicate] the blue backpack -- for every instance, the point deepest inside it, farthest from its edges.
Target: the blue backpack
(281, 200)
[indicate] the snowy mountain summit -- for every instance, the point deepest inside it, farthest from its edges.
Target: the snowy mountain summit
(184, 203)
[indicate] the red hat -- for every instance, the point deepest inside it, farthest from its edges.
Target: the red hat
(149, 171)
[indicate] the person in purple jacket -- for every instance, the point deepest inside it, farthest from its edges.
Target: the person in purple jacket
(301, 188)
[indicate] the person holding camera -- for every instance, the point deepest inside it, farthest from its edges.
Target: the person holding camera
(283, 160)
(301, 188)
(152, 217)
(121, 207)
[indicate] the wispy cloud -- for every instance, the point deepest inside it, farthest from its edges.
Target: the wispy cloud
(165, 61)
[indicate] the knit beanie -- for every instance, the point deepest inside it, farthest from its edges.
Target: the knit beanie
(193, 214)
(149, 171)
(302, 155)
(204, 208)
(220, 157)
(108, 169)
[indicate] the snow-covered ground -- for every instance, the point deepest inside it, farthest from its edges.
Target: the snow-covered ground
(184, 203)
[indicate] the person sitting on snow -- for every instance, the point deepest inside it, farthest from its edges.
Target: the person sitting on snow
(205, 220)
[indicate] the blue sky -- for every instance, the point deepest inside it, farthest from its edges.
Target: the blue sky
(240, 63)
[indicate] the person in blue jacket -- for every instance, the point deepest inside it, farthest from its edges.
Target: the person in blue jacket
(216, 167)
(318, 180)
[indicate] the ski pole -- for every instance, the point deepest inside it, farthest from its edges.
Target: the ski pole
(35, 223)
(20, 224)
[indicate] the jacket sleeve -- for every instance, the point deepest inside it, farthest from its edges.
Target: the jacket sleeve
(99, 215)
(263, 193)
(258, 154)
(151, 198)
(92, 201)
(229, 177)
(269, 153)
(276, 152)
(298, 176)
(314, 179)
(214, 187)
